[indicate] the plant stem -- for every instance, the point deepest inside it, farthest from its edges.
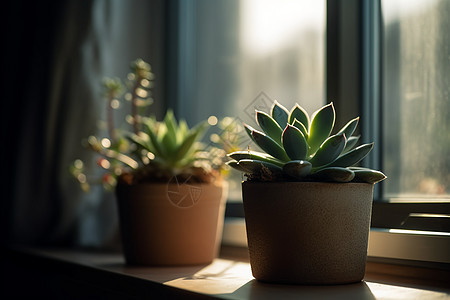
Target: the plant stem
(134, 113)
(110, 119)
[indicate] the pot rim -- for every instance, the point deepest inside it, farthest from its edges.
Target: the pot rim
(215, 183)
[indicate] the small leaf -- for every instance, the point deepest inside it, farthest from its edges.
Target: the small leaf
(182, 131)
(329, 150)
(158, 149)
(120, 157)
(351, 142)
(160, 134)
(169, 144)
(335, 174)
(349, 128)
(249, 129)
(150, 124)
(142, 140)
(321, 126)
(171, 125)
(280, 114)
(239, 155)
(301, 127)
(269, 126)
(269, 145)
(297, 168)
(186, 146)
(234, 164)
(255, 166)
(352, 157)
(300, 114)
(368, 175)
(294, 143)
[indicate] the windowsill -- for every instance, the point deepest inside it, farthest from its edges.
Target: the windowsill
(416, 248)
(78, 273)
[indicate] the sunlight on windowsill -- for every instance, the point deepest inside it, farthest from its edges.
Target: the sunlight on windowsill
(227, 277)
(220, 277)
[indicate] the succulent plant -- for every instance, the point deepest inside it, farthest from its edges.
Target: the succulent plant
(170, 148)
(149, 150)
(298, 147)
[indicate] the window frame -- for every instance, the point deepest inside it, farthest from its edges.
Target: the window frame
(361, 62)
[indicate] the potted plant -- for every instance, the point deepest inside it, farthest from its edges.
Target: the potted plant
(169, 185)
(307, 208)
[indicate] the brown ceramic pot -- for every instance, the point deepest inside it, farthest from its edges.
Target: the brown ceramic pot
(169, 224)
(307, 232)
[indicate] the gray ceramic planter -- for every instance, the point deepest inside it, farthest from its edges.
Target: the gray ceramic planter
(307, 232)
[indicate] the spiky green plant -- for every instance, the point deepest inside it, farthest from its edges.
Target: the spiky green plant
(151, 150)
(170, 148)
(301, 148)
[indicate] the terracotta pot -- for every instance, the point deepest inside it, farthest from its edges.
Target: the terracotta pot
(170, 224)
(308, 232)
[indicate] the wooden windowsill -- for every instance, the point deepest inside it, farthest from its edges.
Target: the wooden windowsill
(75, 274)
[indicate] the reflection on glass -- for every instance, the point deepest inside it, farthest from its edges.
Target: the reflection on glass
(416, 104)
(282, 51)
(245, 54)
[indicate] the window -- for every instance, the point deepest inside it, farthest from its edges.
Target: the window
(414, 116)
(416, 106)
(404, 47)
(255, 52)
(376, 59)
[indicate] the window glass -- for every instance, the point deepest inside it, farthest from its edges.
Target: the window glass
(245, 54)
(416, 104)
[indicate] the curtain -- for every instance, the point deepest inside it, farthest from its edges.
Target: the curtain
(57, 53)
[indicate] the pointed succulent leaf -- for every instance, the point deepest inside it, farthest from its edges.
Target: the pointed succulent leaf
(352, 157)
(280, 114)
(157, 147)
(335, 174)
(142, 140)
(321, 126)
(255, 166)
(161, 132)
(350, 127)
(111, 153)
(269, 126)
(297, 168)
(329, 150)
(301, 127)
(269, 145)
(249, 129)
(182, 131)
(234, 164)
(239, 155)
(171, 125)
(169, 144)
(351, 143)
(294, 143)
(300, 114)
(149, 124)
(368, 175)
(186, 147)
